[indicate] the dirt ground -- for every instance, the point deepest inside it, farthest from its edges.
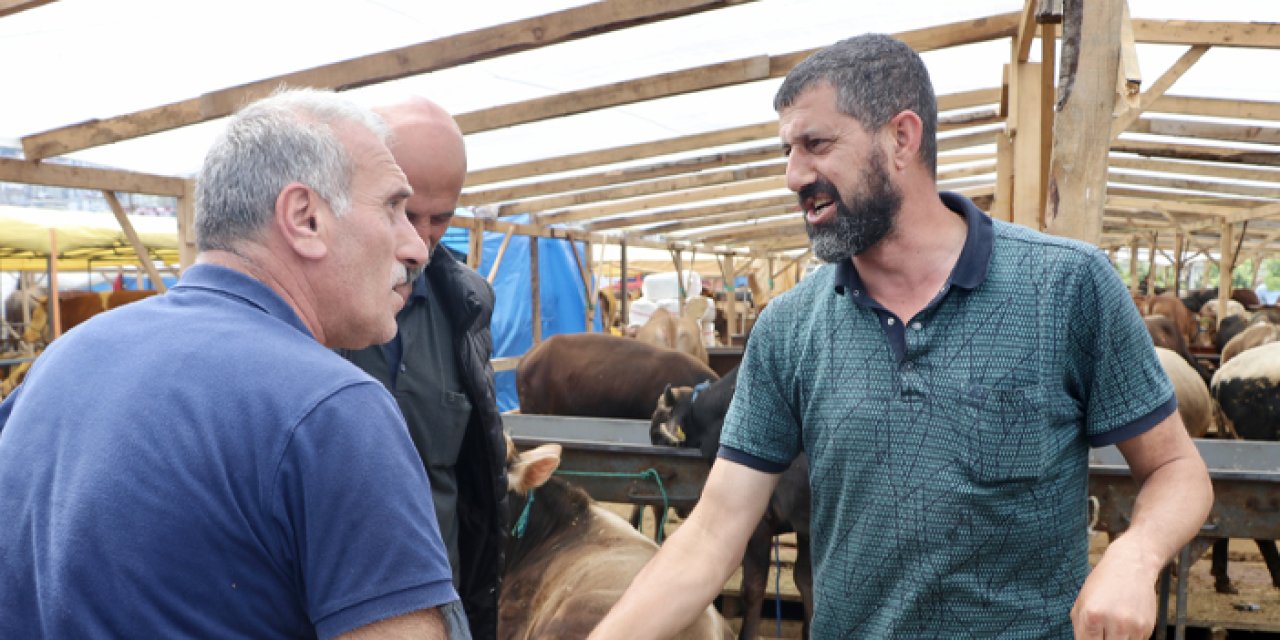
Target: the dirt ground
(1255, 608)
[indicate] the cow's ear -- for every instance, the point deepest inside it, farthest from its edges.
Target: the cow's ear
(670, 397)
(534, 468)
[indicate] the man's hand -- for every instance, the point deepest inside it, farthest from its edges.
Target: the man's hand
(1118, 600)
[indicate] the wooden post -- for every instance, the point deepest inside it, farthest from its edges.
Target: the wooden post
(1082, 129)
(1027, 205)
(186, 226)
(1048, 60)
(139, 249)
(502, 251)
(592, 296)
(55, 306)
(731, 300)
(1225, 266)
(677, 259)
(1151, 265)
(475, 251)
(535, 290)
(1256, 260)
(1133, 265)
(1002, 202)
(624, 291)
(1179, 247)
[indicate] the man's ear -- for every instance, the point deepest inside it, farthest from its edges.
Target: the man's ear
(298, 217)
(906, 130)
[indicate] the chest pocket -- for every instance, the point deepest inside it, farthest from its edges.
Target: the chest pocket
(1008, 440)
(447, 429)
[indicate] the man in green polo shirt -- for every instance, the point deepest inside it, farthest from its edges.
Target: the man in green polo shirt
(946, 375)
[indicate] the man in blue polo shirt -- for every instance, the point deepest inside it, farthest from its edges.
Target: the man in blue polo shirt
(945, 375)
(201, 464)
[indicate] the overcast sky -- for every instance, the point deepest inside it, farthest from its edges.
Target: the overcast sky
(74, 60)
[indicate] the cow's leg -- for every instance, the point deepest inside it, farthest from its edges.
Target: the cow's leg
(755, 575)
(803, 575)
(1272, 558)
(637, 516)
(1218, 567)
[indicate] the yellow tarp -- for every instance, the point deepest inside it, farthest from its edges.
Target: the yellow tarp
(85, 239)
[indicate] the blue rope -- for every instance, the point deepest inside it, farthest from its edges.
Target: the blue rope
(777, 584)
(650, 473)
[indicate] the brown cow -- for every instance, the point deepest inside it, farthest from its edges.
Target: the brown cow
(1171, 307)
(74, 307)
(1165, 334)
(568, 559)
(593, 374)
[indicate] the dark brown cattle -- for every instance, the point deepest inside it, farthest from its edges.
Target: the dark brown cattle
(1165, 334)
(692, 418)
(1248, 390)
(1170, 307)
(592, 374)
(568, 559)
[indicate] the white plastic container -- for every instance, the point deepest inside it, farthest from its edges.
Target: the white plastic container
(662, 286)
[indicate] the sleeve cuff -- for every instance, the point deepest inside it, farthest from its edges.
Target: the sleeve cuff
(427, 596)
(1137, 427)
(748, 460)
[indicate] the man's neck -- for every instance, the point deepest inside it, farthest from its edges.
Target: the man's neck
(908, 268)
(285, 281)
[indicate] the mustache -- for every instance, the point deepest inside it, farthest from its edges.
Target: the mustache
(819, 187)
(406, 275)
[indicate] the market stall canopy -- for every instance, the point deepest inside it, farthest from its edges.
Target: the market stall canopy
(84, 239)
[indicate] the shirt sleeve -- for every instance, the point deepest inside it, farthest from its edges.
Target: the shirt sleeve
(762, 427)
(1124, 389)
(355, 507)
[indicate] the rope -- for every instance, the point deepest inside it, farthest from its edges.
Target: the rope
(523, 521)
(650, 473)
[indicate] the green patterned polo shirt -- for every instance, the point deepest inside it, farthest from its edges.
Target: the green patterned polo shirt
(948, 452)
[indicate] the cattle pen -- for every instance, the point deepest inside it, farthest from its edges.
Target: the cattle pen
(613, 460)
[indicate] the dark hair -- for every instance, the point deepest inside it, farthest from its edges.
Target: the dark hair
(875, 77)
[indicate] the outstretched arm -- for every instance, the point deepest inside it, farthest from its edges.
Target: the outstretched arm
(1174, 498)
(696, 560)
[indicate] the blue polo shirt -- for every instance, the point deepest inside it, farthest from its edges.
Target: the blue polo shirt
(948, 451)
(197, 465)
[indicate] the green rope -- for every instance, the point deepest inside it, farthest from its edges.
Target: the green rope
(650, 473)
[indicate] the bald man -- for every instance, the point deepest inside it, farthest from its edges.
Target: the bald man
(437, 366)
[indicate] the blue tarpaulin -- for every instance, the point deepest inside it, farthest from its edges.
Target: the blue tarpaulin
(563, 298)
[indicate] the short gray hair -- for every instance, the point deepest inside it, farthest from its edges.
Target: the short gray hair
(875, 77)
(286, 137)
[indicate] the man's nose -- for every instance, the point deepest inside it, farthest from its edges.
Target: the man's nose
(410, 249)
(800, 172)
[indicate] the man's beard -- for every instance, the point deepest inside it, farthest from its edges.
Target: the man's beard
(860, 222)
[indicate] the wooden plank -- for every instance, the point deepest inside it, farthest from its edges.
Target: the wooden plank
(1026, 32)
(1264, 35)
(558, 164)
(1130, 76)
(1197, 152)
(1240, 215)
(1255, 134)
(1232, 172)
(1048, 94)
(55, 305)
(535, 290)
(71, 177)
(619, 176)
(1226, 265)
(10, 7)
(481, 44)
(605, 223)
(665, 200)
(139, 249)
(502, 252)
(1002, 204)
(1027, 206)
(186, 226)
(699, 222)
(1090, 59)
(1219, 107)
(1219, 188)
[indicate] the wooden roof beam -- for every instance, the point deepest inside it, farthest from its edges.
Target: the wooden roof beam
(619, 222)
(73, 177)
(1262, 35)
(1197, 152)
(1161, 85)
(1217, 107)
(10, 7)
(481, 44)
(664, 200)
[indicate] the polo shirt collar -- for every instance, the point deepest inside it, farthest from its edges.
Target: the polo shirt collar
(970, 269)
(229, 282)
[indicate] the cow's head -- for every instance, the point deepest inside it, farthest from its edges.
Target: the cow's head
(531, 469)
(672, 415)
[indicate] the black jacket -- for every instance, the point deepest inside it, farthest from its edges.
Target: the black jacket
(481, 466)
